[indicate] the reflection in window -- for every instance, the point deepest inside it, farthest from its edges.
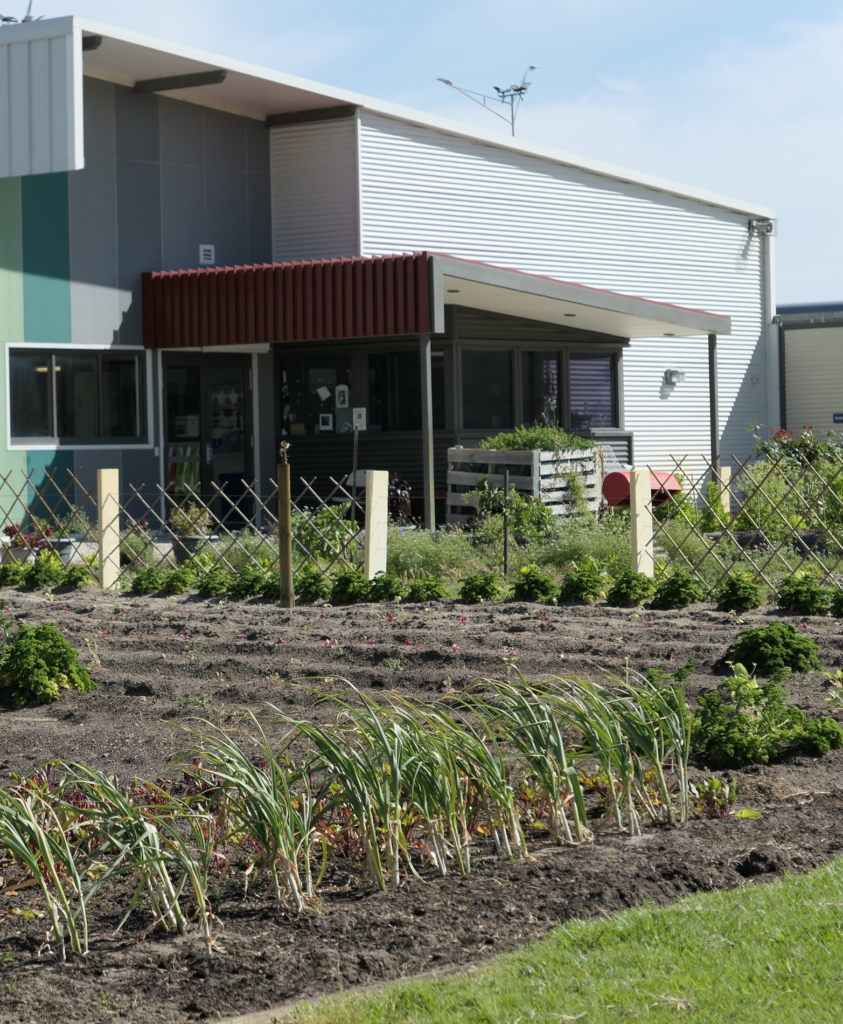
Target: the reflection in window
(540, 385)
(395, 391)
(77, 407)
(592, 392)
(30, 394)
(486, 389)
(119, 397)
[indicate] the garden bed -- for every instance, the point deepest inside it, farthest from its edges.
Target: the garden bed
(159, 661)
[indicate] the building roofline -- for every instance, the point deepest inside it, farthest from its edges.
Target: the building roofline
(334, 96)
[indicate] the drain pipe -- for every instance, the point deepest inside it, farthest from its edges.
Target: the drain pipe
(771, 331)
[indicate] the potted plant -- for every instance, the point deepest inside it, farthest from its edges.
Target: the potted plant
(190, 525)
(24, 547)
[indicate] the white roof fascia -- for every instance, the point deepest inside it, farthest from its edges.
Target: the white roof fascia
(393, 110)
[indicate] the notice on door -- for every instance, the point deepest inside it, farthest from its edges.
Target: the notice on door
(838, 417)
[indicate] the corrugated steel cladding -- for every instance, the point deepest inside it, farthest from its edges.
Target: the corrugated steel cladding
(306, 301)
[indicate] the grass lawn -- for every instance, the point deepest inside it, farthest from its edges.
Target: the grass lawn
(766, 954)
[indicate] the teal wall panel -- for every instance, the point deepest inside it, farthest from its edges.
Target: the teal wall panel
(50, 476)
(45, 208)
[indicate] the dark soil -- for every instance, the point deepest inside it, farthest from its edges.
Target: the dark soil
(160, 662)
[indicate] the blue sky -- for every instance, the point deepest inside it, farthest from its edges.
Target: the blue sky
(743, 97)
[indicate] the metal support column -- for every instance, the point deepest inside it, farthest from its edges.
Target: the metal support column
(427, 431)
(713, 404)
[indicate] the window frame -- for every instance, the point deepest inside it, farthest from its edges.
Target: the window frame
(51, 442)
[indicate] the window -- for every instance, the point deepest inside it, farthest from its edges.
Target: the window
(486, 389)
(540, 384)
(316, 395)
(395, 391)
(75, 396)
(592, 392)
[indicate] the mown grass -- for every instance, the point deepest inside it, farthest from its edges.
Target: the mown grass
(762, 954)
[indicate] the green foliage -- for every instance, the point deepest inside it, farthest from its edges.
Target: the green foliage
(311, 584)
(802, 592)
(386, 586)
(481, 586)
(806, 447)
(836, 605)
(529, 518)
(583, 537)
(714, 517)
(46, 571)
(758, 724)
(739, 592)
(350, 587)
(147, 581)
(177, 581)
(431, 552)
(77, 576)
(215, 583)
(272, 586)
(38, 663)
(190, 519)
(245, 547)
(679, 508)
(535, 584)
(428, 588)
(777, 646)
(678, 591)
(324, 534)
(584, 582)
(249, 582)
(540, 438)
(11, 574)
(630, 589)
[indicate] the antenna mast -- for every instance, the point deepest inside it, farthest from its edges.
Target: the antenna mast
(514, 96)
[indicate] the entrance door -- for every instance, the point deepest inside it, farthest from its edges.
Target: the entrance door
(208, 420)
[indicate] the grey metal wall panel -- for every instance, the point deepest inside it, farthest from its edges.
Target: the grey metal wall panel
(138, 236)
(260, 218)
(182, 127)
(87, 462)
(225, 140)
(138, 132)
(140, 468)
(227, 214)
(315, 190)
(100, 125)
(423, 189)
(183, 214)
(257, 147)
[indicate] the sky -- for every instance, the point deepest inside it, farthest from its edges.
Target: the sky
(740, 97)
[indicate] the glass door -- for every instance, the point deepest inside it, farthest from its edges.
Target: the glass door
(226, 451)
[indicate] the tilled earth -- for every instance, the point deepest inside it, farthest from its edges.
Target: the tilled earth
(161, 662)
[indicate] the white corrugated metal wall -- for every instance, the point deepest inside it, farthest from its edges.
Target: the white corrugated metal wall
(813, 363)
(41, 100)
(315, 198)
(422, 189)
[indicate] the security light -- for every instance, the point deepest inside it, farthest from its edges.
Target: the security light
(674, 377)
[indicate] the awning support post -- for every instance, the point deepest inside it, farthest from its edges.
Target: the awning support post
(427, 431)
(714, 406)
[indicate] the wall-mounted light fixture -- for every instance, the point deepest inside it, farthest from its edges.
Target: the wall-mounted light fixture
(674, 377)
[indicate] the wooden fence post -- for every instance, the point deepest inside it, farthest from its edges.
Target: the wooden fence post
(641, 521)
(377, 520)
(287, 593)
(724, 478)
(108, 523)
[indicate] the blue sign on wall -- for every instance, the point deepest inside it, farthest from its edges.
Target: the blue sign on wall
(838, 417)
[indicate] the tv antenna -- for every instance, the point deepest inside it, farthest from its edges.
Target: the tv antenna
(514, 96)
(6, 19)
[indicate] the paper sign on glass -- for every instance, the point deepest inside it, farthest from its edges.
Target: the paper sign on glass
(359, 418)
(323, 393)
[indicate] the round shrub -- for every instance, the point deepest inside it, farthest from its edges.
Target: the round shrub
(803, 594)
(631, 589)
(272, 586)
(46, 571)
(215, 583)
(177, 581)
(584, 582)
(249, 582)
(146, 581)
(386, 586)
(678, 591)
(77, 576)
(836, 604)
(350, 587)
(535, 584)
(769, 648)
(819, 735)
(11, 575)
(427, 589)
(481, 586)
(739, 592)
(38, 663)
(311, 584)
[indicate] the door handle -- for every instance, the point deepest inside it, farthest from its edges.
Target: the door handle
(209, 454)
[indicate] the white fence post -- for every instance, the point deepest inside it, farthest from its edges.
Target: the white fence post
(724, 478)
(377, 518)
(108, 519)
(641, 521)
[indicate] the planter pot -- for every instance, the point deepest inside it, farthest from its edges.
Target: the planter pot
(74, 552)
(184, 547)
(536, 474)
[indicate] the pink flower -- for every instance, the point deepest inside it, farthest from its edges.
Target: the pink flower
(463, 620)
(280, 642)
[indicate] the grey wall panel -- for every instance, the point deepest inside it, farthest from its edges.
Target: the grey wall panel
(138, 236)
(140, 468)
(260, 218)
(257, 147)
(227, 214)
(137, 125)
(225, 140)
(182, 132)
(100, 127)
(87, 462)
(183, 214)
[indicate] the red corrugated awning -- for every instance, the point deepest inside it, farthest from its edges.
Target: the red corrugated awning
(380, 296)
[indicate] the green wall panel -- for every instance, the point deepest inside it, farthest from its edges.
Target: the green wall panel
(45, 465)
(45, 208)
(11, 261)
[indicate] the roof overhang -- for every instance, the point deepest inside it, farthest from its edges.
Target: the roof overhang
(384, 296)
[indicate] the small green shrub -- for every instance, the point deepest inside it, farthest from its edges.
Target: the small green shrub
(272, 586)
(350, 587)
(386, 586)
(630, 589)
(38, 663)
(481, 586)
(678, 591)
(802, 592)
(535, 584)
(147, 581)
(11, 575)
(541, 438)
(190, 519)
(819, 735)
(777, 646)
(427, 589)
(46, 571)
(585, 582)
(77, 576)
(177, 581)
(836, 599)
(214, 583)
(739, 592)
(311, 584)
(249, 582)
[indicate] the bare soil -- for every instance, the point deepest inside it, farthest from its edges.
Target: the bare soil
(155, 657)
